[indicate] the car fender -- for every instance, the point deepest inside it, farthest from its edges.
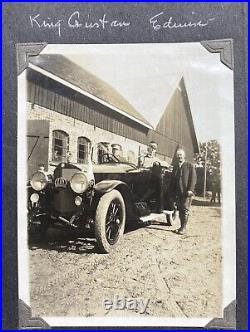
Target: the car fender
(106, 186)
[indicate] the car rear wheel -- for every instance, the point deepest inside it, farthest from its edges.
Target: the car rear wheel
(110, 221)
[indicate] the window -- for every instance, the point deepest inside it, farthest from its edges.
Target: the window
(83, 149)
(60, 146)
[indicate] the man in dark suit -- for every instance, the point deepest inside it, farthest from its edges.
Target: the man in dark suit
(182, 186)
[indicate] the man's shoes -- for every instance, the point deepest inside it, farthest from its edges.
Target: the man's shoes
(181, 231)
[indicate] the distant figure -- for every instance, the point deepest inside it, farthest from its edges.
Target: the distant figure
(69, 156)
(56, 156)
(216, 188)
(150, 158)
(182, 186)
(117, 153)
(41, 168)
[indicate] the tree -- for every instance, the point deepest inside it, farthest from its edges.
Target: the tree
(209, 153)
(213, 156)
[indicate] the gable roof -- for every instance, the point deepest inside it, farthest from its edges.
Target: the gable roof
(182, 88)
(58, 66)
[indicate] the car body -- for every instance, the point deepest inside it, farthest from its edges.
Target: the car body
(103, 198)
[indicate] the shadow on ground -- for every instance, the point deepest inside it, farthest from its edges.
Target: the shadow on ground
(199, 202)
(63, 240)
(67, 244)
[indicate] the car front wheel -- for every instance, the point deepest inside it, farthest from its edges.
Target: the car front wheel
(110, 220)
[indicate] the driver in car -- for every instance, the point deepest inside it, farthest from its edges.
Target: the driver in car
(117, 153)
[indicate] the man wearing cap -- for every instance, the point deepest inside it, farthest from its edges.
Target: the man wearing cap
(117, 153)
(150, 158)
(182, 187)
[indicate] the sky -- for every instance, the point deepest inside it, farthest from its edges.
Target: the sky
(148, 74)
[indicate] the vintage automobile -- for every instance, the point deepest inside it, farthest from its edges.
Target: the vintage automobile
(103, 198)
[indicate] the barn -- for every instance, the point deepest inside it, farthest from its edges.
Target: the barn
(70, 109)
(175, 127)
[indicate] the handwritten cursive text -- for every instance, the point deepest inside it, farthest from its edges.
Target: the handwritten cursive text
(158, 22)
(35, 21)
(103, 22)
(75, 21)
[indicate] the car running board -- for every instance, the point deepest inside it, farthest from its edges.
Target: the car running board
(164, 217)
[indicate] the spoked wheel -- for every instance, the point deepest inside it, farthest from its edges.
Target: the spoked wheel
(110, 221)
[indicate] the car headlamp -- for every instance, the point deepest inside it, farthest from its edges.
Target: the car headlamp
(34, 198)
(79, 183)
(39, 181)
(78, 200)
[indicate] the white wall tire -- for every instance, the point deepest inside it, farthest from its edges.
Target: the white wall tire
(110, 221)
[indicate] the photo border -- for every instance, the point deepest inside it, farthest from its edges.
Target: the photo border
(25, 52)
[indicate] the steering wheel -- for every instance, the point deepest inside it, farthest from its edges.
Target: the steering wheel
(110, 158)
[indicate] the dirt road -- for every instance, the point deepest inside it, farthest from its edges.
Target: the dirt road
(179, 276)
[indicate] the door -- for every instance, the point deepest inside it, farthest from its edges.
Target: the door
(38, 145)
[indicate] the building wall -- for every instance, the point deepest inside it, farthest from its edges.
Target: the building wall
(68, 108)
(75, 128)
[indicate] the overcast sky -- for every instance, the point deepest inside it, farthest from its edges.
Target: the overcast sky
(147, 75)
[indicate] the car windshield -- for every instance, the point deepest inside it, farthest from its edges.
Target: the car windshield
(108, 158)
(106, 153)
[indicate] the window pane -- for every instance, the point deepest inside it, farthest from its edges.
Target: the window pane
(60, 145)
(82, 152)
(83, 148)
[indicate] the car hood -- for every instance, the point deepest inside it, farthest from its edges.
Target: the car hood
(112, 168)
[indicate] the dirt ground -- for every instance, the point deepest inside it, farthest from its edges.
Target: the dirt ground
(179, 276)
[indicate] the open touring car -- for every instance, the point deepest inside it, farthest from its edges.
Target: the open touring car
(103, 198)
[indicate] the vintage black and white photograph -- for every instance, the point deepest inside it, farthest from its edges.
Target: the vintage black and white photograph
(126, 170)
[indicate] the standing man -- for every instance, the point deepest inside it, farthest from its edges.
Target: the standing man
(182, 185)
(215, 184)
(150, 158)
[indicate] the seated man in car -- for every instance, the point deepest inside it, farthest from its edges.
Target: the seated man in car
(117, 153)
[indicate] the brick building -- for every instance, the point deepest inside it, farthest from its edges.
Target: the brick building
(70, 109)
